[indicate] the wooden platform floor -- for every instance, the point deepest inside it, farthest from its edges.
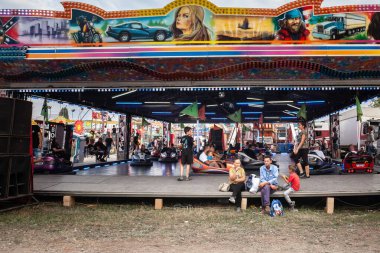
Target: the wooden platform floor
(204, 186)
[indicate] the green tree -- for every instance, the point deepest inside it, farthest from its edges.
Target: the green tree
(64, 112)
(376, 103)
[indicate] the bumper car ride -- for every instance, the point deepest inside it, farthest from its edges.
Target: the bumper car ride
(320, 166)
(200, 167)
(155, 155)
(141, 160)
(358, 163)
(169, 155)
(53, 164)
(249, 163)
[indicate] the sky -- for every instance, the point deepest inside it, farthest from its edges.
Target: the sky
(112, 5)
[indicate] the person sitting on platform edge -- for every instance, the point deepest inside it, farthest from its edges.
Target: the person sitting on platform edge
(268, 182)
(100, 150)
(292, 185)
(237, 183)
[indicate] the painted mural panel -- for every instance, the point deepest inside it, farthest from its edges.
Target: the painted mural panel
(186, 23)
(8, 30)
(191, 24)
(33, 31)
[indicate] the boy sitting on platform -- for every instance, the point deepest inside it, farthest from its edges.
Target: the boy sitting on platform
(293, 185)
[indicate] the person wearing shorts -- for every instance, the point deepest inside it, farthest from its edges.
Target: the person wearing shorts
(301, 150)
(187, 144)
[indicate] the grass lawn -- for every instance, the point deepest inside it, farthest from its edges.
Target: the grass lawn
(49, 227)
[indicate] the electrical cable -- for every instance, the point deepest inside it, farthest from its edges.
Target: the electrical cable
(355, 205)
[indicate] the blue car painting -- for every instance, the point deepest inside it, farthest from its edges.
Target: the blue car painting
(137, 31)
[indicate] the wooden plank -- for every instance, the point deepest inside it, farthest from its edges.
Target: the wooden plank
(68, 201)
(158, 203)
(198, 195)
(244, 204)
(199, 187)
(330, 205)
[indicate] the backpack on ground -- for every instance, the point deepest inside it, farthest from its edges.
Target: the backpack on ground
(276, 208)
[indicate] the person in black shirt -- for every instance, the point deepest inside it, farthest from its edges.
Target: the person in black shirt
(57, 149)
(100, 150)
(36, 141)
(109, 142)
(187, 144)
(250, 152)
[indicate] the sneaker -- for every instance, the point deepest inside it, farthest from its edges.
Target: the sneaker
(238, 209)
(180, 179)
(303, 174)
(188, 178)
(292, 205)
(267, 210)
(232, 200)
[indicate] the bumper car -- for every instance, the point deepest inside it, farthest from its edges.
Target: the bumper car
(354, 162)
(53, 164)
(200, 167)
(168, 155)
(141, 159)
(154, 154)
(249, 163)
(319, 166)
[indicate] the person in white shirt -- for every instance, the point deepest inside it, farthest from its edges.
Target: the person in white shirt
(316, 149)
(203, 155)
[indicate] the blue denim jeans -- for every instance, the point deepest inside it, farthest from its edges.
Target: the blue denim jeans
(266, 191)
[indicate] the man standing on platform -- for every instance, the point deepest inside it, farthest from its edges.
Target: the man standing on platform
(268, 182)
(109, 142)
(187, 144)
(37, 141)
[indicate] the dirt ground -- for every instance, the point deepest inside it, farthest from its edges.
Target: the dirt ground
(49, 227)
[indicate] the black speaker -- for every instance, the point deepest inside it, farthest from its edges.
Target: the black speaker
(22, 117)
(6, 115)
(15, 159)
(15, 123)
(4, 176)
(4, 144)
(19, 145)
(15, 176)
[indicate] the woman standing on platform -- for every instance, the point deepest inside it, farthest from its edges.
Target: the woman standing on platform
(301, 150)
(237, 183)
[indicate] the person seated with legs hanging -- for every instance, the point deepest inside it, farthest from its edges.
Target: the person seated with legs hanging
(268, 183)
(237, 183)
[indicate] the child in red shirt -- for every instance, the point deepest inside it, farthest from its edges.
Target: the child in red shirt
(293, 183)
